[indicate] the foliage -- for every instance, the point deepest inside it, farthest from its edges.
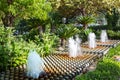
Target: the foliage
(12, 51)
(113, 34)
(55, 17)
(85, 20)
(4, 47)
(72, 8)
(112, 18)
(65, 31)
(12, 10)
(113, 51)
(87, 31)
(31, 27)
(46, 43)
(105, 27)
(107, 68)
(100, 27)
(83, 34)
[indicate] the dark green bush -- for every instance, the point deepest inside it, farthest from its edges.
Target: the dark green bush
(105, 27)
(113, 34)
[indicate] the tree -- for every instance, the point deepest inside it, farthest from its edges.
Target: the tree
(12, 10)
(71, 8)
(85, 20)
(66, 31)
(112, 17)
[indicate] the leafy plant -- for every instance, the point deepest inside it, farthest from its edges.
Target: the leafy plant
(112, 17)
(65, 31)
(83, 34)
(85, 20)
(113, 34)
(13, 51)
(46, 42)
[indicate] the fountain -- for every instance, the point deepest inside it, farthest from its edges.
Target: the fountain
(92, 40)
(103, 36)
(35, 64)
(78, 41)
(74, 47)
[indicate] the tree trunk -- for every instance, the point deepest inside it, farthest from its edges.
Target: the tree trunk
(85, 26)
(82, 11)
(52, 28)
(8, 20)
(40, 29)
(62, 42)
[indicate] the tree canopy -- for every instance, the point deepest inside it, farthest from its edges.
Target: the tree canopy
(17, 9)
(70, 8)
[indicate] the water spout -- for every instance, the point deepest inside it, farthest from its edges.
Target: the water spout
(78, 41)
(74, 47)
(92, 40)
(35, 64)
(103, 36)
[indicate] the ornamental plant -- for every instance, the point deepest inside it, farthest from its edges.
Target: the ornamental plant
(66, 31)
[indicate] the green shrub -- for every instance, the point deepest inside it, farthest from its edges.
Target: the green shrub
(113, 34)
(85, 20)
(105, 27)
(113, 51)
(106, 70)
(83, 34)
(46, 43)
(109, 65)
(65, 31)
(12, 51)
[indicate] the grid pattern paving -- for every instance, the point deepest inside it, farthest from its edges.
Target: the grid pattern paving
(57, 67)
